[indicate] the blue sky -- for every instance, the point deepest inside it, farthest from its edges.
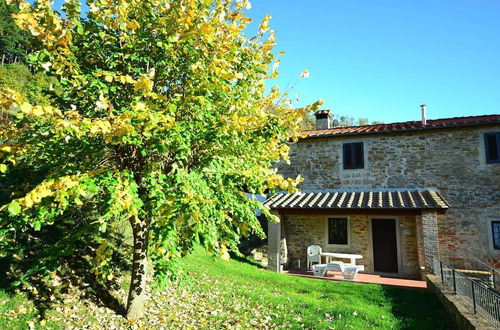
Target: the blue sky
(382, 59)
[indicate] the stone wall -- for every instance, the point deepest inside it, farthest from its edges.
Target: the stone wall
(304, 230)
(460, 312)
(451, 160)
(409, 246)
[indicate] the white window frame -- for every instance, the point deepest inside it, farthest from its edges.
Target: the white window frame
(490, 234)
(348, 245)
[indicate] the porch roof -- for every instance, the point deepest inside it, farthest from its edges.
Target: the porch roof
(395, 198)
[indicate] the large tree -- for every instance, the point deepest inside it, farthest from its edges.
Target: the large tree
(163, 120)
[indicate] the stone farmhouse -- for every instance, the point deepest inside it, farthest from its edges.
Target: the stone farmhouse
(397, 194)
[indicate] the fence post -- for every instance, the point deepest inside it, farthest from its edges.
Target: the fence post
(441, 266)
(473, 295)
(454, 281)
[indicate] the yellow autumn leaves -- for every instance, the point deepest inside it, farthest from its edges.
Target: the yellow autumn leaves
(58, 190)
(71, 123)
(50, 30)
(143, 83)
(8, 154)
(48, 189)
(6, 149)
(102, 262)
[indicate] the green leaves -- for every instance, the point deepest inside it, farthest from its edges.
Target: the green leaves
(14, 208)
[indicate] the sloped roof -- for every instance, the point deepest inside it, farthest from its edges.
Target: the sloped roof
(398, 198)
(405, 126)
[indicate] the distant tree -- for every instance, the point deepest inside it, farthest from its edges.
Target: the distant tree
(362, 121)
(350, 121)
(35, 87)
(162, 121)
(344, 120)
(308, 122)
(13, 40)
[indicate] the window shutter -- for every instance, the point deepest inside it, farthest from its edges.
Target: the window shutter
(353, 155)
(359, 155)
(492, 147)
(347, 155)
(495, 233)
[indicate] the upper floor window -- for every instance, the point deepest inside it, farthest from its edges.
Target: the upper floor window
(492, 147)
(338, 231)
(495, 234)
(353, 155)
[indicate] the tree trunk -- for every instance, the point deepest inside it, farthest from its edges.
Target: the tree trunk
(138, 284)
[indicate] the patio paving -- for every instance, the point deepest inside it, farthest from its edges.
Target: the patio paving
(384, 279)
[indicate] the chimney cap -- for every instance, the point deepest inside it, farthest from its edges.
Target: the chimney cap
(321, 113)
(323, 119)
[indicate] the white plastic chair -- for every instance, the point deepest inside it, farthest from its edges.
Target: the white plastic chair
(336, 266)
(319, 269)
(313, 255)
(348, 271)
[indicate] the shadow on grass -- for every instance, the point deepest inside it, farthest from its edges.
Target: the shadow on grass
(417, 309)
(71, 265)
(246, 260)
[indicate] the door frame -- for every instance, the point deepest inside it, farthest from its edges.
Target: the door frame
(397, 224)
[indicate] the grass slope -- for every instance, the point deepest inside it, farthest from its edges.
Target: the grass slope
(232, 294)
(302, 302)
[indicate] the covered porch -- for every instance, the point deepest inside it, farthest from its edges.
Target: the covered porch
(394, 230)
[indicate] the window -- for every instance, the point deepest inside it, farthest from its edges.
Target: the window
(495, 234)
(353, 155)
(492, 147)
(338, 231)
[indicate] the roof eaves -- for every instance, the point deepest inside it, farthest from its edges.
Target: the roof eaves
(415, 129)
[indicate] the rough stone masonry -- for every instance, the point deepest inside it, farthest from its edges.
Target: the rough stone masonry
(450, 159)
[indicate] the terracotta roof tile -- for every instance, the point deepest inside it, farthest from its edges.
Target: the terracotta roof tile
(396, 198)
(405, 126)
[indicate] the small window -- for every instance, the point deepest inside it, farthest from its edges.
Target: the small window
(495, 234)
(338, 231)
(492, 147)
(353, 155)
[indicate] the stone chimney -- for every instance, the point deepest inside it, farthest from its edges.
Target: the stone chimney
(323, 119)
(424, 114)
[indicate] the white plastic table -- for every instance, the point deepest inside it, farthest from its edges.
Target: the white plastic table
(352, 257)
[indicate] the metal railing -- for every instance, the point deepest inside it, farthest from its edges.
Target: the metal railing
(475, 269)
(484, 300)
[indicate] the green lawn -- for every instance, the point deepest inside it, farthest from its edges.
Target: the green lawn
(218, 294)
(294, 301)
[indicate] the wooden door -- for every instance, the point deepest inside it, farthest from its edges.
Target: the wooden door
(385, 246)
